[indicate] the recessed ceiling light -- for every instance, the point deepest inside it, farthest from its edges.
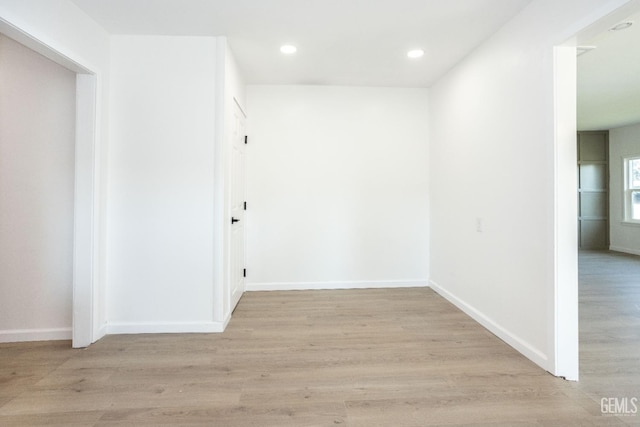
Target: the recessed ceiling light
(416, 53)
(621, 26)
(288, 49)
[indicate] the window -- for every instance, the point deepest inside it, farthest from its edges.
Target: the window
(632, 189)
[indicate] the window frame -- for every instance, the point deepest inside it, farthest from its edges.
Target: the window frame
(629, 190)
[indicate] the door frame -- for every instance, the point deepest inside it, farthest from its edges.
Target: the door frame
(232, 303)
(563, 312)
(85, 329)
(225, 102)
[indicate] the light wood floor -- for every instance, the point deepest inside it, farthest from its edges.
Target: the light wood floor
(610, 326)
(400, 357)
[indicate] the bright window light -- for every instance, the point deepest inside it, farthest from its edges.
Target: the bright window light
(632, 189)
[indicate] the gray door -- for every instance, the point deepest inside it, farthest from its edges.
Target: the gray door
(593, 189)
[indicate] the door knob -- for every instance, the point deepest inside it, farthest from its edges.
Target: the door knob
(233, 220)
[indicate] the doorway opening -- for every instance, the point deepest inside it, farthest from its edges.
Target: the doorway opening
(596, 309)
(85, 205)
(608, 261)
(567, 123)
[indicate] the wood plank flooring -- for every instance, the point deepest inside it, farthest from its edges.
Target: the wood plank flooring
(610, 326)
(401, 357)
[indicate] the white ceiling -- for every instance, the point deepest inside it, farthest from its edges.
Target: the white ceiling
(340, 42)
(609, 80)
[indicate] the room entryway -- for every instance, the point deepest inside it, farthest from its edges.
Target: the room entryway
(50, 210)
(37, 161)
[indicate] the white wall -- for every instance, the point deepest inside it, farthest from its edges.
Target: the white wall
(161, 187)
(623, 142)
(337, 187)
(493, 158)
(37, 132)
(83, 46)
(234, 83)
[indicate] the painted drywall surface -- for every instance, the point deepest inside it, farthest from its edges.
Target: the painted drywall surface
(160, 247)
(624, 142)
(337, 187)
(492, 177)
(234, 82)
(37, 132)
(63, 27)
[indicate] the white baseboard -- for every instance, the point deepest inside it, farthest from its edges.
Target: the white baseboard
(624, 250)
(165, 328)
(307, 286)
(501, 332)
(24, 335)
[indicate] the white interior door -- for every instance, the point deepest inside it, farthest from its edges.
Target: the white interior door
(238, 206)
